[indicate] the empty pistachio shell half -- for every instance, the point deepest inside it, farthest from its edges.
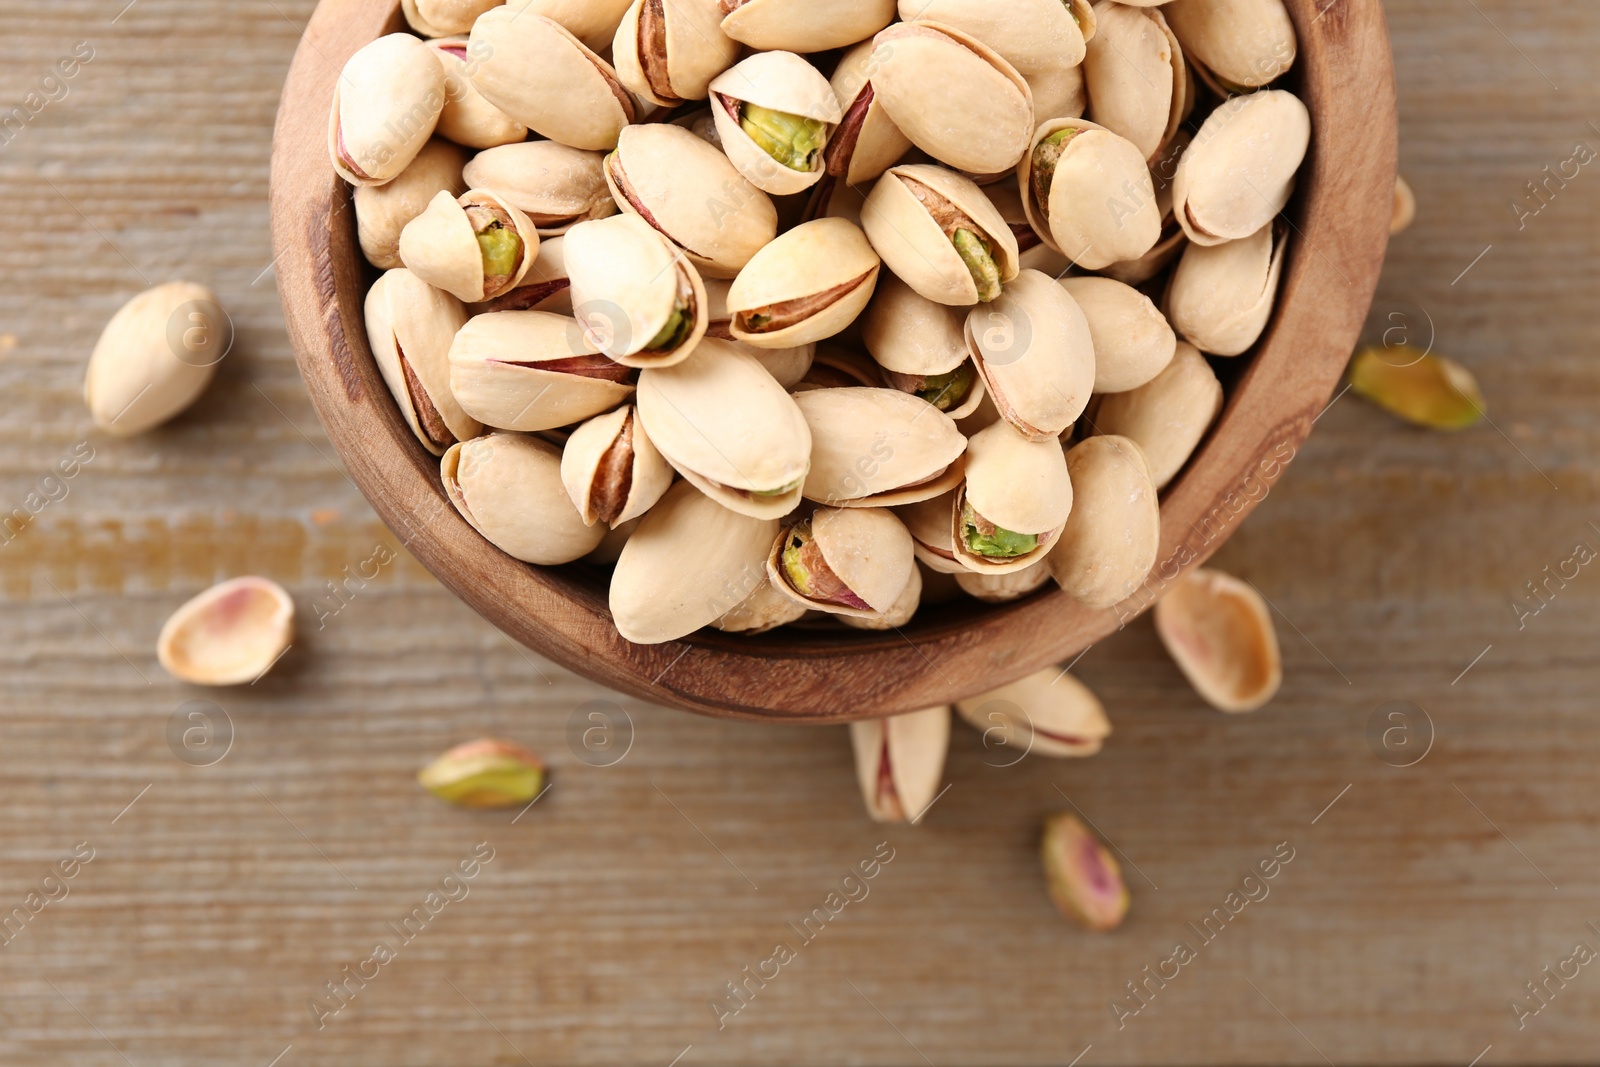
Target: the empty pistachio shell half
(640, 301)
(1081, 875)
(804, 25)
(1240, 170)
(953, 96)
(546, 286)
(729, 428)
(1114, 532)
(763, 610)
(231, 634)
(411, 326)
(1242, 44)
(1135, 76)
(475, 246)
(788, 366)
(385, 105)
(594, 22)
(1032, 35)
(1050, 713)
(1004, 588)
(485, 774)
(1420, 387)
(939, 233)
(441, 18)
(900, 761)
(1089, 193)
(612, 471)
(878, 447)
(509, 488)
(867, 142)
(1058, 93)
(928, 522)
(1405, 206)
(844, 561)
(1221, 296)
(1219, 631)
(533, 370)
(901, 612)
(382, 211)
(807, 285)
(1168, 416)
(1017, 496)
(555, 186)
(155, 357)
(468, 118)
(1132, 340)
(1036, 355)
(921, 347)
(774, 113)
(688, 564)
(667, 51)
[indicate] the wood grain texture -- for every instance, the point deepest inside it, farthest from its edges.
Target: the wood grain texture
(612, 913)
(1340, 222)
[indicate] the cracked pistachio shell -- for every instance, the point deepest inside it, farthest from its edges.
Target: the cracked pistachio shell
(230, 634)
(1102, 205)
(689, 192)
(1221, 296)
(900, 761)
(804, 25)
(1035, 354)
(878, 447)
(912, 337)
(954, 97)
(688, 564)
(612, 471)
(1137, 84)
(1219, 631)
(728, 427)
(867, 142)
(444, 18)
(788, 366)
(778, 81)
(810, 284)
(545, 78)
(1424, 388)
(628, 284)
(1114, 531)
(545, 287)
(497, 375)
(468, 118)
(385, 105)
(667, 51)
(763, 610)
(913, 240)
(1059, 94)
(382, 211)
(1082, 877)
(900, 613)
(1240, 170)
(1132, 340)
(1241, 43)
(508, 487)
(1049, 712)
(1017, 484)
(867, 549)
(1034, 253)
(1004, 588)
(410, 326)
(155, 357)
(440, 247)
(555, 186)
(594, 22)
(1032, 35)
(928, 522)
(1169, 415)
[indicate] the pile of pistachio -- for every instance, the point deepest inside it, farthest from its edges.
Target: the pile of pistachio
(919, 298)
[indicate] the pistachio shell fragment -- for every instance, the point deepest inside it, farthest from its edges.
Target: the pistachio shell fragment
(1405, 206)
(508, 487)
(867, 142)
(1113, 535)
(807, 285)
(1089, 193)
(774, 114)
(555, 186)
(1082, 876)
(382, 211)
(1135, 76)
(928, 522)
(594, 22)
(1167, 416)
(442, 18)
(155, 357)
(921, 347)
(1242, 44)
(1015, 501)
(532, 370)
(1004, 588)
(763, 610)
(844, 561)
(475, 246)
(1036, 355)
(385, 105)
(1428, 390)
(411, 326)
(1132, 339)
(900, 761)
(1219, 631)
(641, 302)
(900, 613)
(1221, 296)
(939, 233)
(804, 25)
(878, 447)
(231, 634)
(1032, 35)
(485, 774)
(667, 51)
(612, 471)
(1240, 170)
(1049, 712)
(467, 118)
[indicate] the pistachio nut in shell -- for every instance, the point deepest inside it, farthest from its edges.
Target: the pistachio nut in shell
(1114, 532)
(1425, 389)
(921, 347)
(878, 447)
(533, 370)
(1035, 354)
(788, 366)
(467, 118)
(900, 762)
(1135, 76)
(382, 211)
(899, 614)
(1240, 170)
(444, 18)
(763, 610)
(1132, 340)
(1242, 44)
(867, 142)
(774, 113)
(688, 564)
(385, 105)
(155, 357)
(804, 25)
(231, 634)
(546, 286)
(508, 487)
(612, 471)
(928, 522)
(1003, 588)
(1089, 193)
(475, 246)
(557, 187)
(1221, 296)
(411, 326)
(939, 233)
(844, 561)
(1032, 35)
(691, 194)
(728, 427)
(485, 774)
(640, 301)
(1082, 877)
(1017, 496)
(545, 78)
(1168, 416)
(1219, 631)
(594, 22)
(667, 51)
(1058, 94)
(953, 96)
(806, 286)
(1049, 712)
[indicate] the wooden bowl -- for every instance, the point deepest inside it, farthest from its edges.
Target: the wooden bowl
(1340, 219)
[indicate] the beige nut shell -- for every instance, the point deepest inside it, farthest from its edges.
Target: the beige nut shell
(1133, 341)
(557, 187)
(806, 25)
(1017, 484)
(780, 81)
(878, 447)
(1240, 171)
(495, 374)
(385, 106)
(1221, 296)
(900, 762)
(627, 280)
(231, 634)
(1247, 43)
(443, 18)
(1033, 35)
(1092, 227)
(696, 50)
(508, 487)
(1219, 631)
(542, 76)
(1004, 588)
(1114, 533)
(1135, 77)
(867, 548)
(439, 246)
(467, 118)
(1035, 354)
(594, 22)
(1050, 713)
(382, 211)
(813, 258)
(155, 357)
(1169, 415)
(879, 143)
(915, 246)
(412, 324)
(928, 522)
(583, 459)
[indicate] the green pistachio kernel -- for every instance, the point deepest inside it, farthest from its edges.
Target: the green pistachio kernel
(1002, 544)
(674, 332)
(797, 572)
(500, 247)
(947, 391)
(1045, 157)
(780, 491)
(974, 251)
(792, 140)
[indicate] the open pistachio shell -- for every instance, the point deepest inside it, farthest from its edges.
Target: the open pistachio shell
(545, 78)
(231, 634)
(546, 286)
(475, 246)
(900, 613)
(1050, 713)
(442, 18)
(612, 471)
(867, 142)
(1132, 340)
(1033, 35)
(1059, 94)
(1114, 532)
(878, 447)
(1239, 172)
(844, 561)
(1167, 416)
(953, 96)
(921, 347)
(1017, 496)
(728, 427)
(804, 25)
(155, 357)
(531, 370)
(763, 610)
(1219, 631)
(1089, 193)
(788, 366)
(555, 186)
(1137, 84)
(689, 192)
(689, 563)
(1242, 44)
(1036, 355)
(1004, 588)
(1034, 252)
(1421, 387)
(385, 105)
(900, 762)
(774, 114)
(667, 51)
(939, 233)
(594, 22)
(928, 522)
(382, 211)
(508, 487)
(468, 119)
(410, 326)
(642, 302)
(807, 285)
(1221, 296)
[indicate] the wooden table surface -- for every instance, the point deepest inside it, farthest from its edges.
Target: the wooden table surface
(222, 898)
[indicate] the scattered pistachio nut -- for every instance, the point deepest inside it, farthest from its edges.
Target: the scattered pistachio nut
(155, 357)
(1083, 878)
(1219, 631)
(1049, 712)
(1425, 389)
(231, 634)
(900, 761)
(485, 774)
